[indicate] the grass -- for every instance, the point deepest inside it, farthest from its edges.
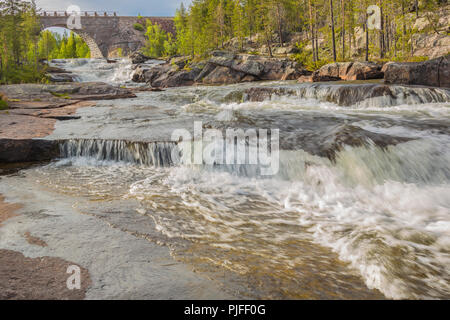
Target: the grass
(138, 27)
(3, 102)
(60, 95)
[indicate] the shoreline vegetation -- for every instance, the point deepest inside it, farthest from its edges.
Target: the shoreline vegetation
(312, 33)
(23, 47)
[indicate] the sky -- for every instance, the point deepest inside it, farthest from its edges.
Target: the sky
(163, 8)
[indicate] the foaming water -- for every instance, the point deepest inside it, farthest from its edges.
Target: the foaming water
(384, 212)
(99, 70)
(358, 209)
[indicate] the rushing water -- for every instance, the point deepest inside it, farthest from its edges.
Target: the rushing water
(334, 222)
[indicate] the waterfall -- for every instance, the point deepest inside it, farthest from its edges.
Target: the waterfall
(353, 95)
(157, 154)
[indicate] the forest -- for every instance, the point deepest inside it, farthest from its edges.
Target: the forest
(329, 26)
(23, 46)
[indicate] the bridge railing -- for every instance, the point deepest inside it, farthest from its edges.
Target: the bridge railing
(83, 13)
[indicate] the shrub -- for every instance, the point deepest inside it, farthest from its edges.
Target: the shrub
(305, 58)
(138, 27)
(3, 103)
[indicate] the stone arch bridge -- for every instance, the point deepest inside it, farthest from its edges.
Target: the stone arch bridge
(106, 32)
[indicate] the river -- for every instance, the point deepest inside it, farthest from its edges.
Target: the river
(366, 221)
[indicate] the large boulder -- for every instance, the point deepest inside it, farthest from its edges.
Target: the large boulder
(434, 73)
(348, 71)
(27, 150)
(222, 68)
(180, 78)
(223, 75)
(61, 77)
(166, 75)
(261, 68)
(137, 57)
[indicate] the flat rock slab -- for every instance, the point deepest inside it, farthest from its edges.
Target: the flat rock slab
(66, 112)
(7, 210)
(24, 127)
(42, 278)
(60, 93)
(52, 104)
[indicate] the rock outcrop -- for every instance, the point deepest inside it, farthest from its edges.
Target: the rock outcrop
(34, 110)
(221, 68)
(63, 93)
(27, 150)
(353, 94)
(55, 74)
(138, 57)
(348, 71)
(434, 73)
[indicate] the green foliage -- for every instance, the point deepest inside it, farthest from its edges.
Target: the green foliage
(158, 42)
(305, 58)
(138, 27)
(22, 45)
(60, 95)
(3, 102)
(214, 24)
(54, 46)
(19, 34)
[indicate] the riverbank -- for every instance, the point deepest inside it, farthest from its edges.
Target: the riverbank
(224, 67)
(114, 264)
(33, 111)
(359, 197)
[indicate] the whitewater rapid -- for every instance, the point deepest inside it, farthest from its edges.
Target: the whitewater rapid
(342, 222)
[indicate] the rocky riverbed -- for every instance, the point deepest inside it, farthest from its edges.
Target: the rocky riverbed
(227, 68)
(359, 201)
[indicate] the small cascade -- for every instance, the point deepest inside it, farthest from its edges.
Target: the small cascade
(157, 154)
(353, 95)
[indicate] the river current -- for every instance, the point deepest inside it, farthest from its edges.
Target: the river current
(366, 220)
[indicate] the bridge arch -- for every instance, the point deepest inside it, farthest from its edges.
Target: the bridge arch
(106, 32)
(93, 47)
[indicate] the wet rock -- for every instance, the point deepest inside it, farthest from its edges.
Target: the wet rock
(174, 78)
(166, 75)
(435, 72)
(137, 57)
(303, 79)
(64, 93)
(262, 68)
(53, 70)
(61, 77)
(334, 140)
(324, 78)
(372, 94)
(223, 75)
(259, 94)
(222, 68)
(180, 62)
(348, 71)
(27, 150)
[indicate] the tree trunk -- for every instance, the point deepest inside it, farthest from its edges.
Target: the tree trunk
(367, 38)
(343, 28)
(317, 35)
(332, 30)
(381, 30)
(280, 25)
(311, 27)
